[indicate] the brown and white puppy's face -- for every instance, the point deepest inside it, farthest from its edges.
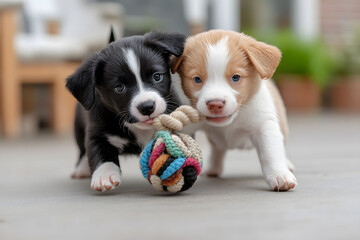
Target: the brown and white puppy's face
(221, 70)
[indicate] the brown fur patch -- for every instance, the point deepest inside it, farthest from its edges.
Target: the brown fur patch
(239, 64)
(250, 59)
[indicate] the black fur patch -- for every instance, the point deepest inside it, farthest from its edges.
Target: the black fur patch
(105, 112)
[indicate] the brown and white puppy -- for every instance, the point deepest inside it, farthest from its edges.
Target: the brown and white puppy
(221, 73)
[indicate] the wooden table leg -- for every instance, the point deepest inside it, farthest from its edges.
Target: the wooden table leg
(10, 94)
(63, 103)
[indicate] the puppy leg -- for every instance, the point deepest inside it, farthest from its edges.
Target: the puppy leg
(82, 169)
(216, 162)
(104, 164)
(271, 151)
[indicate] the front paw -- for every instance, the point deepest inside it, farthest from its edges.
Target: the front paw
(213, 172)
(281, 180)
(82, 170)
(106, 177)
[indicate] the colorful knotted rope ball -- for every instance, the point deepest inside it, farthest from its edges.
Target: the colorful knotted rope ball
(172, 161)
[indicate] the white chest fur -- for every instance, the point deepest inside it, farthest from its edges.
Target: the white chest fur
(142, 138)
(117, 141)
(226, 138)
(248, 121)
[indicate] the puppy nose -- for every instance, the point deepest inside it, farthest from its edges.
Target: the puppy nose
(215, 105)
(147, 107)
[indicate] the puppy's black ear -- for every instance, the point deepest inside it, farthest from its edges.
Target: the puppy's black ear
(112, 35)
(170, 43)
(81, 84)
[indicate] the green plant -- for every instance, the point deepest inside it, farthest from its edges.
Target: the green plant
(349, 57)
(300, 57)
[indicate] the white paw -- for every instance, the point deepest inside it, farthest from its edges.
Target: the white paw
(82, 170)
(213, 172)
(106, 177)
(281, 180)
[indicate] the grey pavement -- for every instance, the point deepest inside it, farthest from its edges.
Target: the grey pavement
(38, 200)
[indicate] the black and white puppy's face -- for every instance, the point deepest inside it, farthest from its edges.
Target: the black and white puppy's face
(130, 77)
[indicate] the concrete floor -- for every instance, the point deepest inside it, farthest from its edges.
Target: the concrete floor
(38, 200)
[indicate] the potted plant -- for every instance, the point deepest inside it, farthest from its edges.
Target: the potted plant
(304, 70)
(345, 90)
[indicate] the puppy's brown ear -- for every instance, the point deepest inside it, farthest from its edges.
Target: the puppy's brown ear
(264, 57)
(175, 63)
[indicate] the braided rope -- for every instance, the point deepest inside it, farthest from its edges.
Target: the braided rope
(172, 161)
(178, 119)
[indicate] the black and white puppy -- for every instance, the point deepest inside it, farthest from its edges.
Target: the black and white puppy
(121, 89)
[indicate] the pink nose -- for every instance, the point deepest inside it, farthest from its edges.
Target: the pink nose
(215, 106)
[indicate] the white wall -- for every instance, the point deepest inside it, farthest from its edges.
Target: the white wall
(306, 18)
(225, 14)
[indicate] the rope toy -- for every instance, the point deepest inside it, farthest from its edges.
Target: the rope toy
(172, 160)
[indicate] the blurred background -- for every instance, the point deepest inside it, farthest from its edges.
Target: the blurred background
(43, 41)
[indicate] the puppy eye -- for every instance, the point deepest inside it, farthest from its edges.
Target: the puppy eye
(119, 88)
(197, 79)
(235, 78)
(158, 77)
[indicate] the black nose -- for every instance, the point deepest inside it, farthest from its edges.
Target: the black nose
(147, 107)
